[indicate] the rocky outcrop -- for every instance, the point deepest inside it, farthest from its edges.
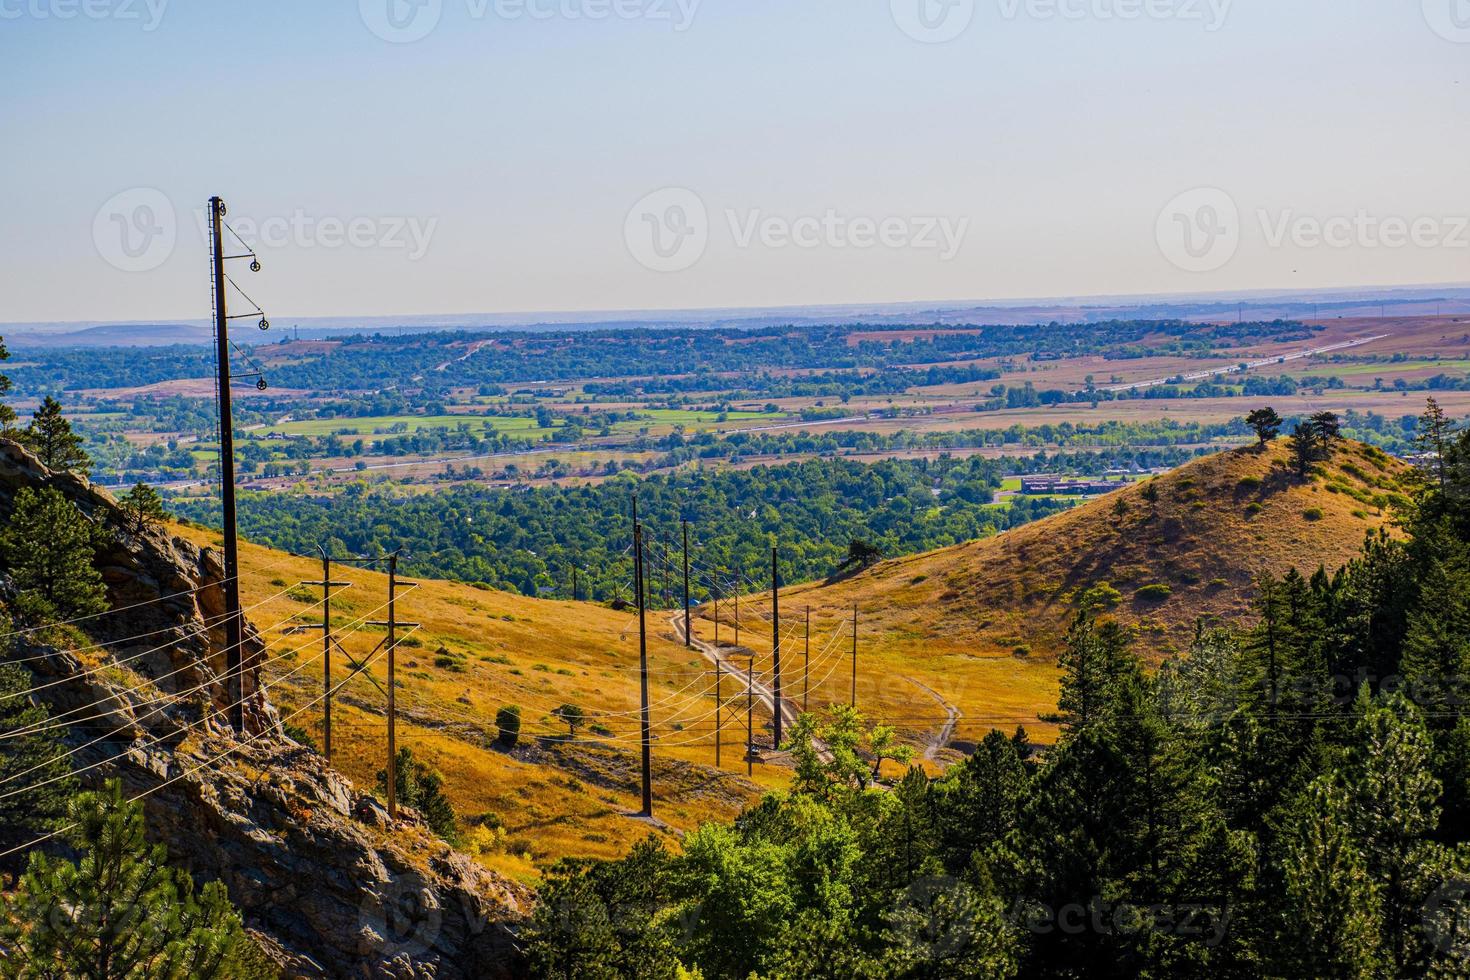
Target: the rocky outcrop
(330, 888)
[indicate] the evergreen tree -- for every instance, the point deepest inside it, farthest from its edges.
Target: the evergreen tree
(1266, 424)
(120, 913)
(1303, 443)
(48, 547)
(1334, 913)
(50, 437)
(420, 786)
(1327, 428)
(1095, 658)
(7, 414)
(508, 725)
(142, 509)
(35, 763)
(1433, 439)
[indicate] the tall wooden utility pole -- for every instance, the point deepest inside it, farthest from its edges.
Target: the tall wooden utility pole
(688, 633)
(737, 615)
(327, 640)
(574, 583)
(806, 662)
(719, 711)
(854, 654)
(750, 716)
(391, 641)
(715, 589)
(392, 705)
(776, 642)
(234, 630)
(643, 662)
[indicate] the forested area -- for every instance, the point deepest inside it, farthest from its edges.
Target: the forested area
(380, 362)
(528, 540)
(1290, 799)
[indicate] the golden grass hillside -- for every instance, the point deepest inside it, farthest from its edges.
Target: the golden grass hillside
(978, 626)
(970, 631)
(477, 651)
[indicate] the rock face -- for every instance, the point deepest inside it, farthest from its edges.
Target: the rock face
(325, 883)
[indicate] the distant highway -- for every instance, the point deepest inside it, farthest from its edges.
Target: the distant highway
(1249, 365)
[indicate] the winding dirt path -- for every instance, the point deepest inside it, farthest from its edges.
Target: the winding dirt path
(952, 721)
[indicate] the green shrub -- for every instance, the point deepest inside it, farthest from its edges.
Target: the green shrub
(1313, 513)
(508, 721)
(1154, 593)
(1253, 509)
(1249, 483)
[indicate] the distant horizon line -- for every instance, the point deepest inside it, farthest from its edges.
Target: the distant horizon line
(809, 311)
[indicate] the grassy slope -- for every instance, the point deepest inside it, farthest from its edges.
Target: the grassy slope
(948, 621)
(956, 620)
(509, 649)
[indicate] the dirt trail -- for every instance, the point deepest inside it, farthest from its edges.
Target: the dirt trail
(952, 721)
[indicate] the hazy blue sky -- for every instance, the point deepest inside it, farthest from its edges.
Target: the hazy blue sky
(495, 163)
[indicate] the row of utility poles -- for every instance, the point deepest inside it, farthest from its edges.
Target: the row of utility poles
(641, 589)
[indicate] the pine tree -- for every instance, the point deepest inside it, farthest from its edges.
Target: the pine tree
(120, 913)
(48, 547)
(1436, 430)
(36, 763)
(142, 509)
(1326, 428)
(1266, 423)
(421, 787)
(7, 414)
(1393, 809)
(1334, 918)
(1303, 443)
(50, 436)
(1095, 658)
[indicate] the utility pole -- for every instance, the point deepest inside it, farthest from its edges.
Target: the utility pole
(688, 634)
(854, 654)
(716, 592)
(750, 716)
(574, 583)
(392, 705)
(737, 616)
(391, 641)
(776, 642)
(719, 711)
(327, 585)
(234, 631)
(806, 662)
(643, 665)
